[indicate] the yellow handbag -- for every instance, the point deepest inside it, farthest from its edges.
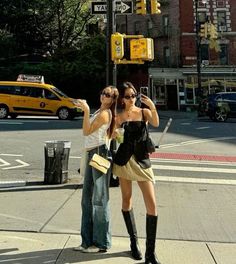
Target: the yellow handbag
(100, 163)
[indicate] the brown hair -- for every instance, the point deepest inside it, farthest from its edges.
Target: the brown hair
(113, 109)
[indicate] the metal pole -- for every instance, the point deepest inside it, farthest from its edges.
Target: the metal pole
(110, 67)
(198, 49)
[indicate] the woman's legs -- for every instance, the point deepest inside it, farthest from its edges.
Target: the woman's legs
(127, 211)
(148, 191)
(95, 224)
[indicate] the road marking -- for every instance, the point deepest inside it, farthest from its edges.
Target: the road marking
(10, 123)
(194, 180)
(23, 164)
(197, 162)
(192, 169)
(11, 155)
(4, 163)
(197, 141)
(7, 184)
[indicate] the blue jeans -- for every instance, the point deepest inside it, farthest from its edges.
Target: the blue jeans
(95, 225)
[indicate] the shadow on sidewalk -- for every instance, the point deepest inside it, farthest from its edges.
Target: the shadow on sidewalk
(58, 256)
(40, 186)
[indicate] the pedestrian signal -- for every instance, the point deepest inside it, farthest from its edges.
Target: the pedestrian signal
(117, 46)
(155, 7)
(140, 7)
(142, 48)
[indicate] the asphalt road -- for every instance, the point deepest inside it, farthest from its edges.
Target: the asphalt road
(22, 146)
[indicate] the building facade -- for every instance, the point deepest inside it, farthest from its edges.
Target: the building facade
(173, 75)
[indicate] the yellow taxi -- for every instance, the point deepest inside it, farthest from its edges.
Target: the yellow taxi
(29, 95)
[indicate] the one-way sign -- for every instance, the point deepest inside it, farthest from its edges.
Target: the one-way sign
(125, 7)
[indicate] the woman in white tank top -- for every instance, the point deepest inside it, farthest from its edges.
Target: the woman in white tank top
(95, 224)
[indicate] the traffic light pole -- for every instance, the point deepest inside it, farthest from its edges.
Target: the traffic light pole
(110, 67)
(198, 49)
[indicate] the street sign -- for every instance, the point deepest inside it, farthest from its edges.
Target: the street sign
(123, 7)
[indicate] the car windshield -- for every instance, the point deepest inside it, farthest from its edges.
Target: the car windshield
(59, 92)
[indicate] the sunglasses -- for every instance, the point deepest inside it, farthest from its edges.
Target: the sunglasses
(107, 95)
(130, 96)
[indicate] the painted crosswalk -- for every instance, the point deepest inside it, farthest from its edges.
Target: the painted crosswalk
(194, 171)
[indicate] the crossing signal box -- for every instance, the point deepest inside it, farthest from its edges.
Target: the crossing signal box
(117, 46)
(140, 6)
(203, 30)
(142, 48)
(155, 7)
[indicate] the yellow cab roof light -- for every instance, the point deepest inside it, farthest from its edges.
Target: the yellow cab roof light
(30, 78)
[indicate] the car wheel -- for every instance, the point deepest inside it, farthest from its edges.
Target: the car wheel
(13, 116)
(3, 111)
(220, 115)
(64, 113)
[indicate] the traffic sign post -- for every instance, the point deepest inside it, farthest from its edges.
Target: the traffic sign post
(121, 7)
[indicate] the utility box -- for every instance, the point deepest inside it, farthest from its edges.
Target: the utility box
(56, 161)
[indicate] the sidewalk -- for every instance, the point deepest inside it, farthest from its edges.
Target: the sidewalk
(40, 224)
(32, 248)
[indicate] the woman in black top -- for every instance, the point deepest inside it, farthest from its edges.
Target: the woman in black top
(132, 163)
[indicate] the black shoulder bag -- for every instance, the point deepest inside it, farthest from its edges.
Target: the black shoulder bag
(149, 143)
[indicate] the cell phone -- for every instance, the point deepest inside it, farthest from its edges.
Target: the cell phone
(138, 100)
(144, 90)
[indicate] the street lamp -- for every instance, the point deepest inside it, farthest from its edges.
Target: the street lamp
(198, 46)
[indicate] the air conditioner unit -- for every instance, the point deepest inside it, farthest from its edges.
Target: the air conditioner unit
(205, 62)
(222, 28)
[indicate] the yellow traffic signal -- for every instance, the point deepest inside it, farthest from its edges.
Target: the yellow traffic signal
(117, 46)
(142, 48)
(203, 30)
(213, 32)
(155, 7)
(141, 7)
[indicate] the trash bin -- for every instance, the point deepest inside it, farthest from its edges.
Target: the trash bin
(56, 161)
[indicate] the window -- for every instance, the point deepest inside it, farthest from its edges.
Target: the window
(220, 3)
(223, 55)
(221, 20)
(50, 95)
(202, 17)
(137, 27)
(166, 53)
(165, 24)
(7, 89)
(36, 92)
(201, 4)
(204, 52)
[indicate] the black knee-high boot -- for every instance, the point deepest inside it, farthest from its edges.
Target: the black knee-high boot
(132, 231)
(151, 229)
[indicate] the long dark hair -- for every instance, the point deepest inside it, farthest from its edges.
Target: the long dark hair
(122, 89)
(113, 110)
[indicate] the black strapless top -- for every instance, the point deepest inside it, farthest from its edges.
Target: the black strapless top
(134, 144)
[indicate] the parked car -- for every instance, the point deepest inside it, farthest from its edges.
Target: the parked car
(218, 106)
(29, 95)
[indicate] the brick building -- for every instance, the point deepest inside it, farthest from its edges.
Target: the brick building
(172, 75)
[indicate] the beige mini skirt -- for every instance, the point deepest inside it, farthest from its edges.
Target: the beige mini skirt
(133, 171)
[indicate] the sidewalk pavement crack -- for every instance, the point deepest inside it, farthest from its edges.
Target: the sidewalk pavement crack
(62, 249)
(208, 247)
(58, 209)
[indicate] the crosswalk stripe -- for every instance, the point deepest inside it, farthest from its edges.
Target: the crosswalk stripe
(194, 180)
(187, 168)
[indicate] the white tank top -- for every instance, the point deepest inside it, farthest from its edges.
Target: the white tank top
(98, 137)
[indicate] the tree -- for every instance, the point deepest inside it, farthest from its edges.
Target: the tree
(46, 25)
